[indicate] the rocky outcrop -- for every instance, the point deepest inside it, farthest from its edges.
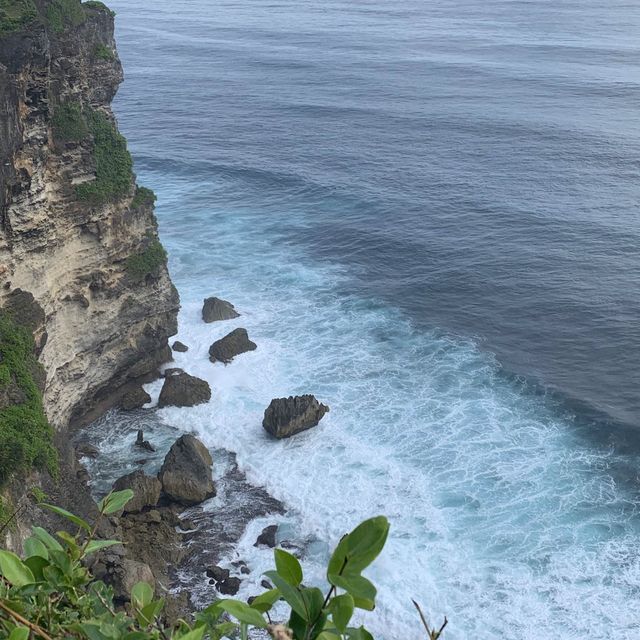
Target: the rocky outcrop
(215, 309)
(180, 347)
(186, 472)
(182, 390)
(232, 345)
(70, 238)
(135, 399)
(285, 417)
(146, 490)
(268, 537)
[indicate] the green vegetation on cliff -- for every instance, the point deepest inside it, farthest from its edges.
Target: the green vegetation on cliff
(143, 196)
(63, 14)
(113, 162)
(148, 261)
(16, 15)
(68, 123)
(102, 52)
(25, 434)
(51, 593)
(96, 4)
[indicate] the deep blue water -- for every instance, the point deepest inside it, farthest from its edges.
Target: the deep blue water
(428, 214)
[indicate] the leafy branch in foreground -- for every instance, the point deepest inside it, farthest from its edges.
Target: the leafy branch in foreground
(50, 594)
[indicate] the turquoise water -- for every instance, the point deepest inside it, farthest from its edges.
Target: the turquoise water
(426, 215)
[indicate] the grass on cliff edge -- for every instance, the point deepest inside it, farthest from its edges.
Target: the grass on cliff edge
(63, 14)
(114, 167)
(68, 123)
(25, 434)
(16, 14)
(140, 265)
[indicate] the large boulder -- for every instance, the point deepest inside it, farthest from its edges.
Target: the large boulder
(285, 417)
(232, 345)
(215, 309)
(186, 472)
(179, 346)
(146, 490)
(134, 399)
(182, 390)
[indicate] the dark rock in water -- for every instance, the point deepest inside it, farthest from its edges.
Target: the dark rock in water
(179, 346)
(229, 587)
(232, 345)
(182, 390)
(285, 417)
(83, 475)
(218, 573)
(245, 570)
(186, 472)
(143, 444)
(215, 309)
(265, 584)
(268, 537)
(86, 450)
(134, 399)
(171, 371)
(146, 490)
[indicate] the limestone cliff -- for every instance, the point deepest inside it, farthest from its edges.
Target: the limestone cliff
(75, 231)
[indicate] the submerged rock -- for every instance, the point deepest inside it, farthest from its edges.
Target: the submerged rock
(233, 344)
(143, 444)
(215, 309)
(182, 390)
(186, 472)
(268, 537)
(146, 490)
(285, 417)
(134, 399)
(229, 586)
(180, 347)
(218, 573)
(86, 450)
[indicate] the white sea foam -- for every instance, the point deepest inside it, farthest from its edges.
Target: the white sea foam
(501, 516)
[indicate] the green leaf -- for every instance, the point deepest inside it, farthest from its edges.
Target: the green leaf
(46, 538)
(266, 600)
(358, 634)
(69, 516)
(365, 543)
(314, 600)
(196, 634)
(20, 633)
(338, 560)
(362, 590)
(37, 565)
(115, 501)
(288, 567)
(141, 595)
(97, 545)
(327, 635)
(150, 612)
(242, 612)
(14, 570)
(289, 593)
(341, 611)
(34, 547)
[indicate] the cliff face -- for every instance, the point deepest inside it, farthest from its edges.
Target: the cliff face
(75, 232)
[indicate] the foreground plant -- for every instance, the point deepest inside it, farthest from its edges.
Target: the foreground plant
(50, 594)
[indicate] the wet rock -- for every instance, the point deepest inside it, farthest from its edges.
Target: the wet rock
(180, 347)
(245, 570)
(170, 371)
(229, 587)
(134, 399)
(146, 490)
(86, 450)
(285, 417)
(182, 390)
(265, 584)
(215, 309)
(232, 345)
(268, 537)
(218, 573)
(143, 444)
(186, 472)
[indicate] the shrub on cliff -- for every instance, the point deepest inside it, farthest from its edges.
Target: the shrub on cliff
(16, 15)
(143, 196)
(140, 265)
(113, 162)
(102, 52)
(68, 122)
(96, 4)
(25, 434)
(63, 14)
(51, 594)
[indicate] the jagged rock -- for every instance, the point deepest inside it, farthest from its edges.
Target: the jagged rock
(134, 399)
(218, 573)
(186, 472)
(233, 344)
(182, 390)
(143, 444)
(268, 537)
(171, 371)
(86, 450)
(245, 570)
(285, 417)
(265, 584)
(229, 587)
(146, 490)
(215, 309)
(128, 574)
(179, 346)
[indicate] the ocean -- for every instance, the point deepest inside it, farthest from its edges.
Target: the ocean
(427, 215)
